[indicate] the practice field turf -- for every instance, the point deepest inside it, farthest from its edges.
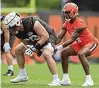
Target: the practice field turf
(39, 76)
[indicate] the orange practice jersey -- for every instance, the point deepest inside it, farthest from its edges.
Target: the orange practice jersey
(85, 36)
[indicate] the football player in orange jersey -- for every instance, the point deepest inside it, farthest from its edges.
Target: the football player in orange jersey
(81, 43)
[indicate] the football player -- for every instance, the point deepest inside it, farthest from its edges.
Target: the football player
(81, 43)
(5, 46)
(38, 36)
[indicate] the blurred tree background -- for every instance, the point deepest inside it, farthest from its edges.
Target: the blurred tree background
(48, 4)
(84, 5)
(15, 3)
(40, 4)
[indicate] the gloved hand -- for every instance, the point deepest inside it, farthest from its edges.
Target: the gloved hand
(58, 48)
(30, 49)
(6, 47)
(57, 55)
(38, 49)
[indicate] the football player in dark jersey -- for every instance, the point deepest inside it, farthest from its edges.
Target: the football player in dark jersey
(38, 36)
(5, 46)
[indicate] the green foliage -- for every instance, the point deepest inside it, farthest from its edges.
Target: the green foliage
(48, 4)
(15, 3)
(40, 4)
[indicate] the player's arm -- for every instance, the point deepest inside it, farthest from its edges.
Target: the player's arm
(61, 34)
(74, 36)
(6, 46)
(6, 33)
(41, 31)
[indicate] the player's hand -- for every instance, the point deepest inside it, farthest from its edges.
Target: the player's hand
(60, 47)
(30, 49)
(6, 47)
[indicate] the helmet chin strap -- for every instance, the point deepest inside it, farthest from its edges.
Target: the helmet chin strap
(67, 19)
(16, 32)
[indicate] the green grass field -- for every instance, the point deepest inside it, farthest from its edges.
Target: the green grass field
(39, 76)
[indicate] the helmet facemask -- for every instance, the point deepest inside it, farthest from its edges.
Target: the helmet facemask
(14, 29)
(67, 15)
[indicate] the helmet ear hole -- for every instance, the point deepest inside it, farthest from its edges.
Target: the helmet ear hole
(17, 22)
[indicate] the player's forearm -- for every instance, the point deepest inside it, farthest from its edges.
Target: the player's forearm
(6, 36)
(6, 33)
(60, 37)
(58, 41)
(68, 42)
(43, 39)
(74, 36)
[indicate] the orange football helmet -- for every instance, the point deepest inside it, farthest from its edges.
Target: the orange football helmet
(70, 10)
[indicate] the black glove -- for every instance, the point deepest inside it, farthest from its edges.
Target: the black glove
(38, 48)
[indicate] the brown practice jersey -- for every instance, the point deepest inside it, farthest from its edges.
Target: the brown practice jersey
(29, 32)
